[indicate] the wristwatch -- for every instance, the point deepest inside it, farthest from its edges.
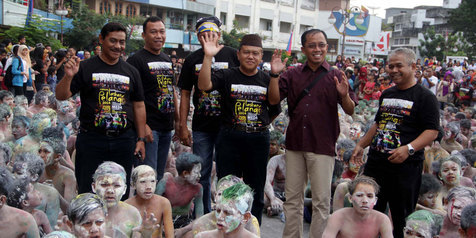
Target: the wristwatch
(141, 139)
(411, 150)
(274, 75)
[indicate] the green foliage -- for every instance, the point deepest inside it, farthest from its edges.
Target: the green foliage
(462, 19)
(428, 46)
(38, 31)
(87, 26)
(233, 38)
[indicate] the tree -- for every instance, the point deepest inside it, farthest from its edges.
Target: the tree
(439, 46)
(462, 19)
(87, 25)
(233, 38)
(37, 31)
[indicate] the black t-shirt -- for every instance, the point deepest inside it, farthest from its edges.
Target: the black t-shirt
(207, 112)
(244, 99)
(107, 93)
(402, 116)
(157, 76)
(40, 78)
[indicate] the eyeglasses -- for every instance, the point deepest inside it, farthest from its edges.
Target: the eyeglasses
(320, 45)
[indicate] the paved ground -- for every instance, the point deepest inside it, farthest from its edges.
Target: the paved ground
(272, 227)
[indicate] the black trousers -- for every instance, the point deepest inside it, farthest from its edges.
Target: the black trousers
(399, 187)
(92, 149)
(244, 155)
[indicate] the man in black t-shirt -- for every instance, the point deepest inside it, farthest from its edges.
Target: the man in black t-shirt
(246, 95)
(206, 117)
(112, 104)
(406, 122)
(157, 74)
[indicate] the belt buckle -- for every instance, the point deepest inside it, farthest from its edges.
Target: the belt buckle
(249, 129)
(112, 133)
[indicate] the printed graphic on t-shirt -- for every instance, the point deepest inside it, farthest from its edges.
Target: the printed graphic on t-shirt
(392, 113)
(248, 103)
(109, 112)
(209, 103)
(165, 89)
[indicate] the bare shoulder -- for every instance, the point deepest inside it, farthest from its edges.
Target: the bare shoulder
(129, 209)
(162, 200)
(381, 217)
(131, 201)
(206, 234)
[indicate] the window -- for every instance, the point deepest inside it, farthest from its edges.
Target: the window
(407, 41)
(104, 7)
(265, 25)
(395, 41)
(285, 27)
(176, 19)
(303, 28)
(223, 18)
(243, 21)
(131, 11)
(145, 10)
(118, 8)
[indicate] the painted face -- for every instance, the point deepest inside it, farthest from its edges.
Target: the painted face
(145, 184)
(428, 199)
(46, 153)
(250, 57)
(363, 198)
(92, 226)
(455, 207)
(448, 134)
(354, 168)
(34, 196)
(450, 173)
(273, 147)
(24, 103)
(18, 130)
(228, 217)
(9, 101)
(194, 176)
(110, 188)
(417, 229)
(20, 170)
(355, 131)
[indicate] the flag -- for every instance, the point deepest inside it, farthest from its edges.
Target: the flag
(365, 11)
(290, 43)
(29, 12)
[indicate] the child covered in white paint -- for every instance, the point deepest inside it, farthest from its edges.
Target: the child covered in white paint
(109, 183)
(360, 220)
(232, 213)
(14, 222)
(144, 182)
(458, 198)
(87, 216)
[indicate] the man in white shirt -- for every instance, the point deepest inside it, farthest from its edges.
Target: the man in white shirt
(429, 80)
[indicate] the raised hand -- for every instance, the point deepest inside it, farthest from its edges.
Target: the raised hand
(71, 67)
(210, 44)
(342, 86)
(277, 65)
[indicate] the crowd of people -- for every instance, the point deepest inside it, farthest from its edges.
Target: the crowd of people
(100, 144)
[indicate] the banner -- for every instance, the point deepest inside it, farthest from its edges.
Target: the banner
(382, 46)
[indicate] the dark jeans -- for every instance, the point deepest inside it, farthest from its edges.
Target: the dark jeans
(157, 151)
(204, 144)
(244, 155)
(399, 186)
(93, 148)
(17, 90)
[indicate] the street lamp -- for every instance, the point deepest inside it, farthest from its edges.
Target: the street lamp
(61, 12)
(347, 15)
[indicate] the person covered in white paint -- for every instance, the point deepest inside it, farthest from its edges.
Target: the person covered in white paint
(183, 190)
(232, 213)
(87, 216)
(149, 204)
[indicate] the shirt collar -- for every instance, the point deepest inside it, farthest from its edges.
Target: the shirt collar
(324, 65)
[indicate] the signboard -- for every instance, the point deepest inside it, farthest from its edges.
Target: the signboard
(382, 45)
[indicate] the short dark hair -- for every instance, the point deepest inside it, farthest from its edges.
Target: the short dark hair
(111, 27)
(429, 183)
(311, 32)
(6, 179)
(186, 161)
(20, 37)
(151, 19)
(468, 217)
(365, 180)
